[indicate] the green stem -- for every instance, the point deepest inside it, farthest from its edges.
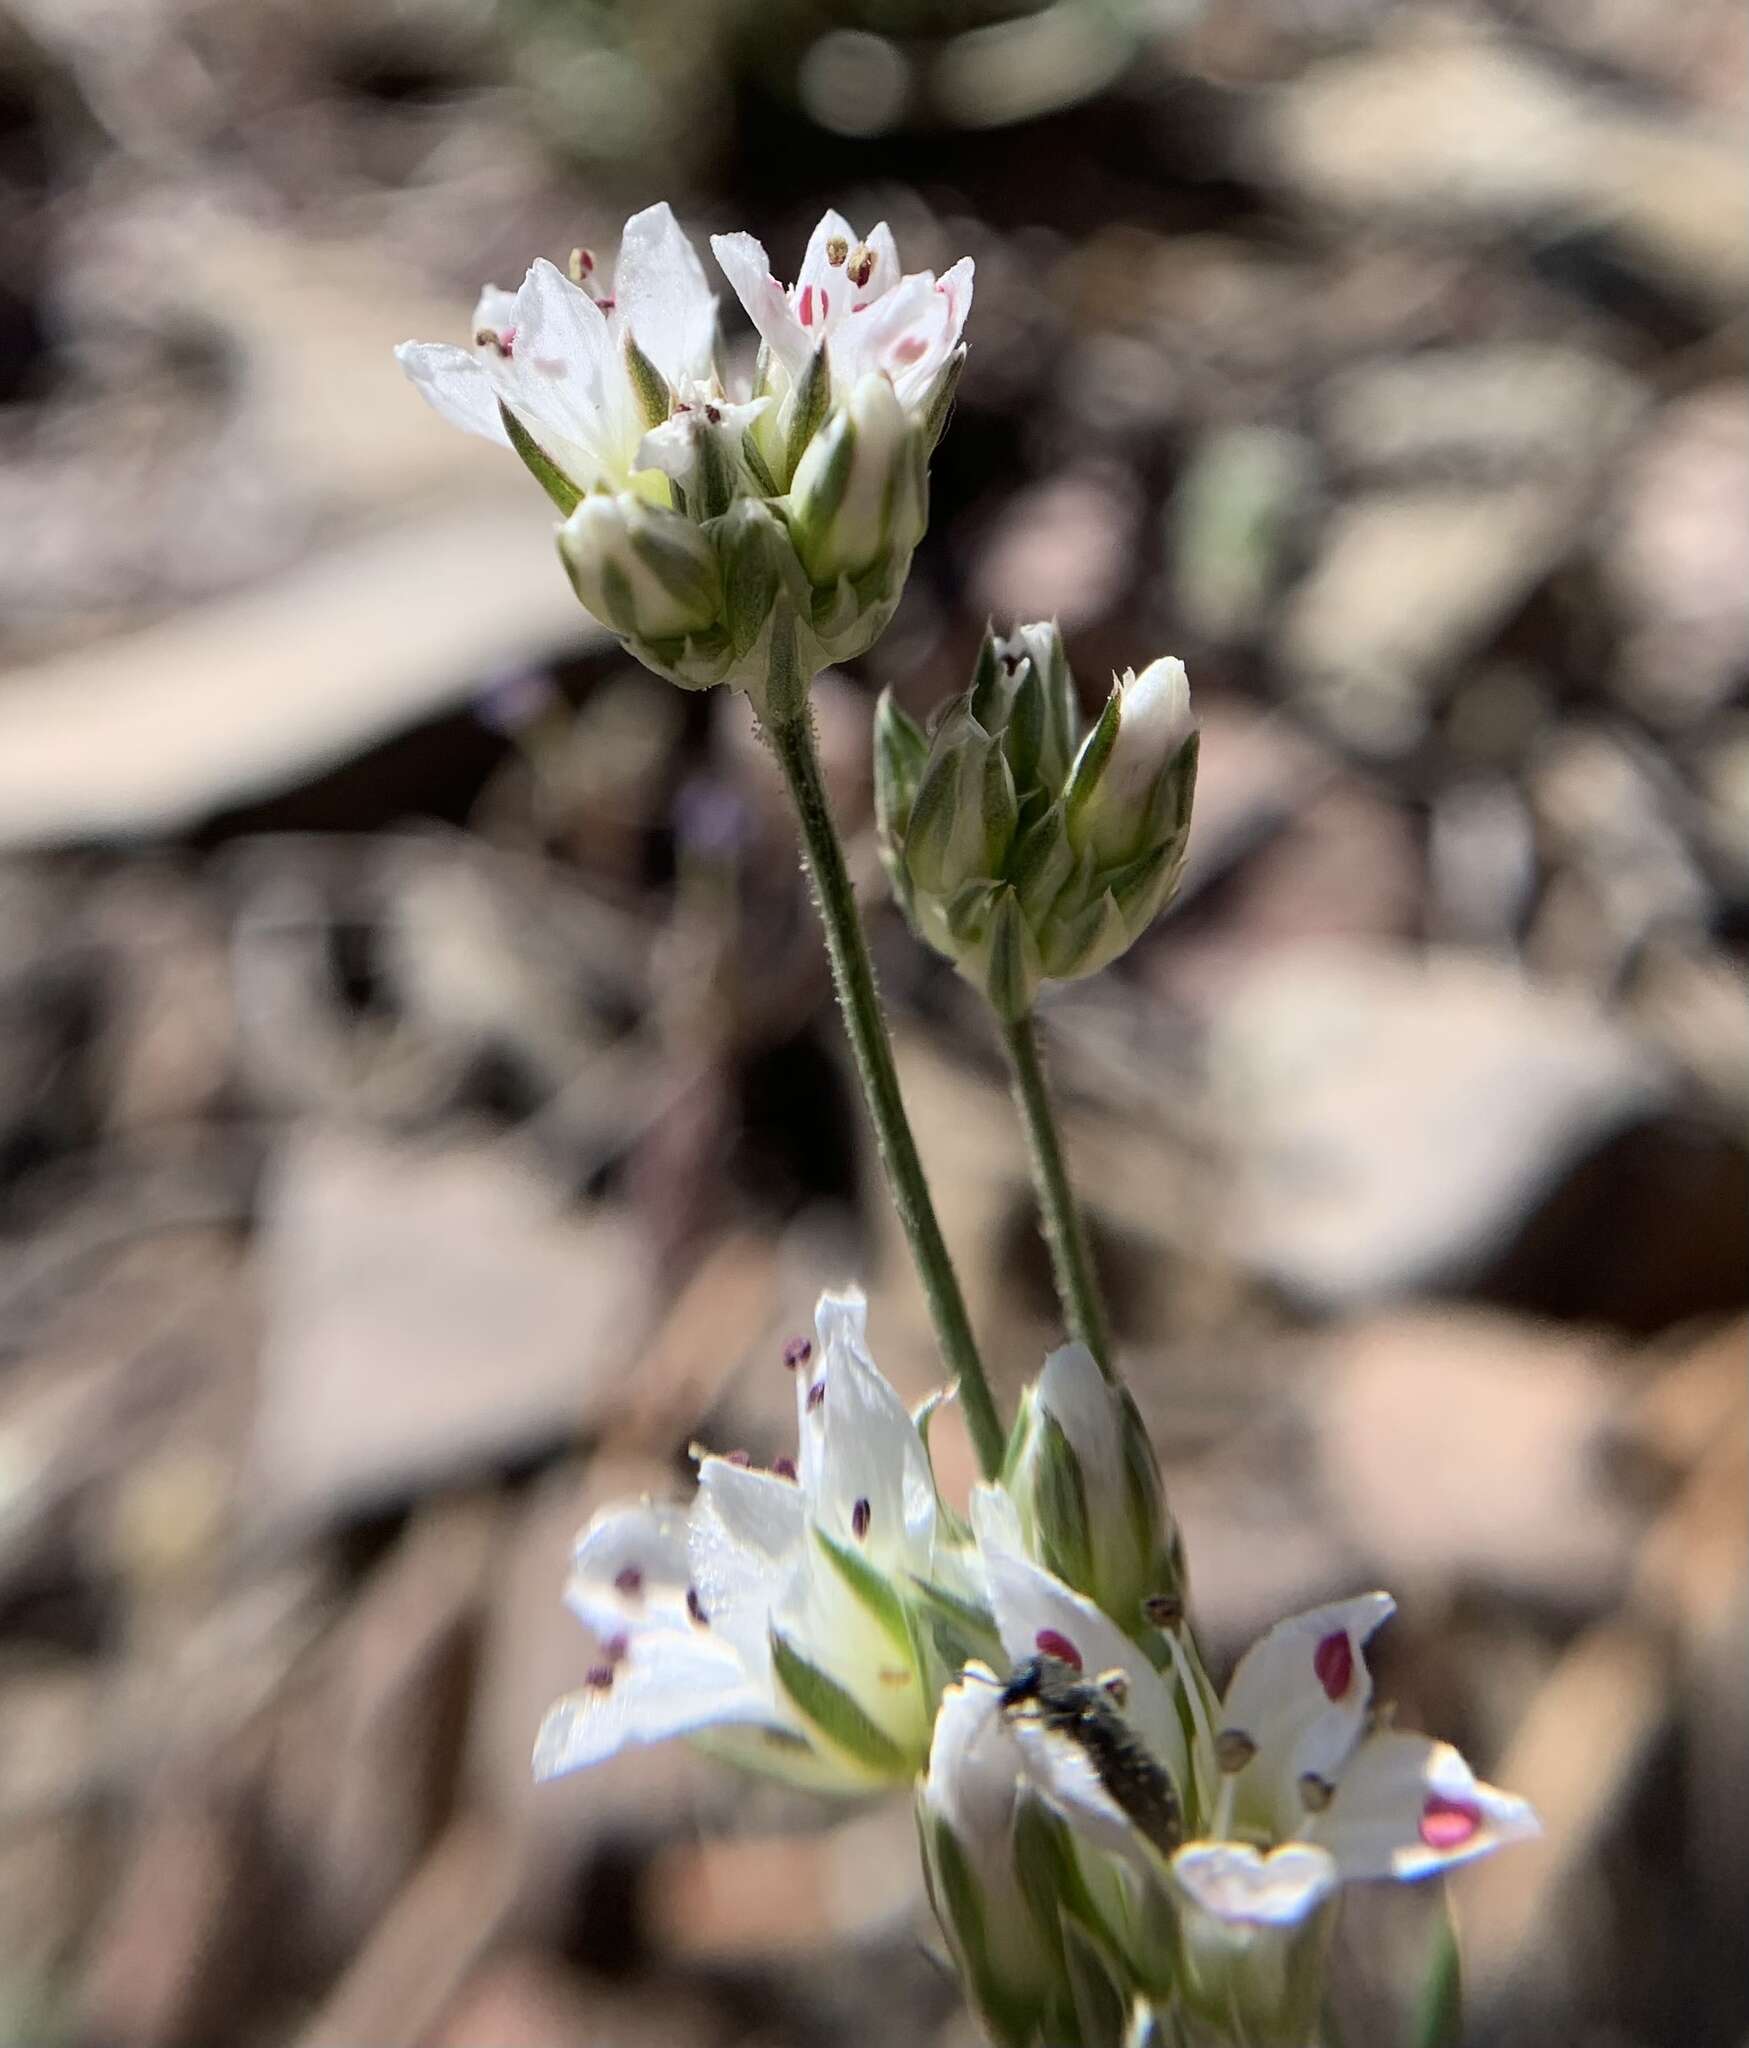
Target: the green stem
(1065, 1233)
(792, 740)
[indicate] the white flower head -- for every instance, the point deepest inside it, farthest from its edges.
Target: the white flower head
(584, 373)
(1288, 1788)
(771, 1618)
(852, 299)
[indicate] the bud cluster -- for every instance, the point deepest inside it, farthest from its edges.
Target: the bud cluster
(1020, 848)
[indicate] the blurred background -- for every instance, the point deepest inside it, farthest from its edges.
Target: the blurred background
(422, 1113)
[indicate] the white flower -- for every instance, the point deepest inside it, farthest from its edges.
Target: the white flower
(1292, 1755)
(573, 367)
(852, 297)
(776, 1617)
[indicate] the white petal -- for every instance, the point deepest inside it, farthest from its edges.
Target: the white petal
(1243, 1887)
(737, 1586)
(755, 1509)
(1301, 1694)
(496, 309)
(743, 262)
(453, 382)
(973, 1760)
(821, 295)
(565, 380)
(904, 335)
(1062, 1771)
(661, 295)
(629, 1567)
(1407, 1806)
(1036, 1614)
(668, 1684)
(885, 273)
(857, 1444)
(1074, 1391)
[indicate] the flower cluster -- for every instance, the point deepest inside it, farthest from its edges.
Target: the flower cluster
(1103, 1833)
(1022, 850)
(748, 538)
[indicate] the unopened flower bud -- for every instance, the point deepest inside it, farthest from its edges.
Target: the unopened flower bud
(992, 1859)
(1084, 1478)
(1133, 777)
(1253, 1933)
(858, 499)
(645, 572)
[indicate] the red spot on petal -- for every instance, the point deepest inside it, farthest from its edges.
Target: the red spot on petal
(908, 350)
(1447, 1824)
(805, 306)
(1050, 1642)
(617, 1648)
(1333, 1661)
(816, 1394)
(629, 1581)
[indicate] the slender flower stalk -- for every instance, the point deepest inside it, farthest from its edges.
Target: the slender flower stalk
(792, 740)
(1065, 1231)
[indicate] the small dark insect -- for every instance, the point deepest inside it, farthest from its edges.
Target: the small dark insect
(1085, 1713)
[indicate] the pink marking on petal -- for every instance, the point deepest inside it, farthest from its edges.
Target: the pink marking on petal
(816, 1394)
(1050, 1642)
(628, 1581)
(1447, 1824)
(617, 1648)
(910, 349)
(784, 1468)
(742, 1459)
(805, 306)
(1333, 1661)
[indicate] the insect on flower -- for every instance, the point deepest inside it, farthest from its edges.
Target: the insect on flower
(1053, 1694)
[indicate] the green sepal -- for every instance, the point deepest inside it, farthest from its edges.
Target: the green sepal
(540, 465)
(809, 404)
(1011, 972)
(1090, 762)
(872, 1589)
(825, 1704)
(901, 752)
(1059, 1505)
(649, 386)
(966, 1621)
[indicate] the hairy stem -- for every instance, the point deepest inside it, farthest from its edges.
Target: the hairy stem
(1065, 1233)
(792, 740)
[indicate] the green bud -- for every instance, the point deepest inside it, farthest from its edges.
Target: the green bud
(1128, 781)
(646, 572)
(992, 1859)
(1082, 1473)
(856, 501)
